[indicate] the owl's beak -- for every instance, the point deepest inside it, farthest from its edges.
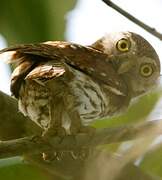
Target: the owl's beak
(124, 66)
(122, 63)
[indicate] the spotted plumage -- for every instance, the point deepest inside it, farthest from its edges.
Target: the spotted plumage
(61, 84)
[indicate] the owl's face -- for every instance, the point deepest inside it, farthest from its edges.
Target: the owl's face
(134, 59)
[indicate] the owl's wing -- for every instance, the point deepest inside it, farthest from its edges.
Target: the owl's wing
(28, 69)
(86, 59)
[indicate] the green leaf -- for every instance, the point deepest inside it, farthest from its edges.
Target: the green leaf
(15, 168)
(152, 162)
(138, 111)
(10, 161)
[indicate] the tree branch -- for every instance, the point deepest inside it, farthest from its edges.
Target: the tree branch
(15, 125)
(12, 123)
(35, 144)
(133, 19)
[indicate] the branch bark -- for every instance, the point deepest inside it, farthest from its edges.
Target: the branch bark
(149, 29)
(35, 144)
(14, 125)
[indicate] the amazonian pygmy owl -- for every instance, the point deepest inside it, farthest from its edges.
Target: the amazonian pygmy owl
(62, 85)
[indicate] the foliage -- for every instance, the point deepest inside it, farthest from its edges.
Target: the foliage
(15, 168)
(138, 111)
(30, 21)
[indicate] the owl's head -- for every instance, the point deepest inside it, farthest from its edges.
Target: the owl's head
(134, 59)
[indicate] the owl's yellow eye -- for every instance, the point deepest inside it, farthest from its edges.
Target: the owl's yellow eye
(146, 70)
(123, 45)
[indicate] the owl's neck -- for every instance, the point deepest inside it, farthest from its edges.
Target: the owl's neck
(132, 93)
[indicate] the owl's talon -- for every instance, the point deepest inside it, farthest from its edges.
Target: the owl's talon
(54, 136)
(59, 155)
(84, 153)
(48, 156)
(73, 155)
(81, 154)
(52, 156)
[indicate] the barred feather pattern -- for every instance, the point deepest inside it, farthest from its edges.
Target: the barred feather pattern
(86, 97)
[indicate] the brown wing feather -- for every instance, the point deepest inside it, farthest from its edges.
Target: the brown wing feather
(25, 65)
(87, 59)
(46, 71)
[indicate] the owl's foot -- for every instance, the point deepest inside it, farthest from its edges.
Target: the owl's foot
(59, 132)
(82, 154)
(51, 156)
(51, 136)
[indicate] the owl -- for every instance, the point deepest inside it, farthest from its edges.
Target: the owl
(64, 87)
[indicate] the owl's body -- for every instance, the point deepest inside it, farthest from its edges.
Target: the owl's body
(75, 91)
(60, 84)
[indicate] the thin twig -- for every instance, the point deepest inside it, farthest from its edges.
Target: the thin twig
(149, 29)
(35, 144)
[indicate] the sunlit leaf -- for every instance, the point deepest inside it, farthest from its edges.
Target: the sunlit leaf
(138, 111)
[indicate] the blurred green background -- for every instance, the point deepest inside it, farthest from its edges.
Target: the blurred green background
(26, 21)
